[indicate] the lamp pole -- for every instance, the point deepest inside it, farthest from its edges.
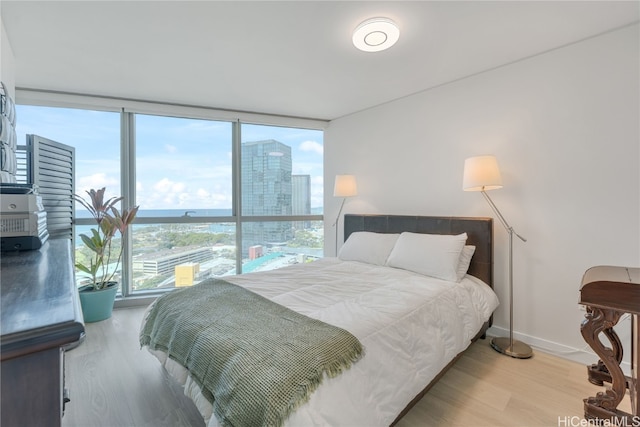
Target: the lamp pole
(335, 224)
(510, 347)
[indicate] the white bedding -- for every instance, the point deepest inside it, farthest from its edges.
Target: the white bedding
(411, 327)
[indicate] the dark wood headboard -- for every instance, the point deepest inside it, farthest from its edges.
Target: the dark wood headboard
(479, 232)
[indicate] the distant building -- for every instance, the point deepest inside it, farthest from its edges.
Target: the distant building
(160, 263)
(266, 191)
(186, 273)
(255, 252)
(301, 199)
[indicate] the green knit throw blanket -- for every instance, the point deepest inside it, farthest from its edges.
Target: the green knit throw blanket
(254, 360)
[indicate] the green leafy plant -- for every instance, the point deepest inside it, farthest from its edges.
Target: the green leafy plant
(110, 222)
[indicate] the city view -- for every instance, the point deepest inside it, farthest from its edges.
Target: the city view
(165, 256)
(182, 254)
(185, 169)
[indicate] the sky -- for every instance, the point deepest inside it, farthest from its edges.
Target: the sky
(181, 163)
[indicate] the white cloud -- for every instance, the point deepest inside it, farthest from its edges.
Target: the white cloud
(170, 148)
(221, 200)
(169, 193)
(165, 185)
(311, 146)
(96, 181)
(202, 193)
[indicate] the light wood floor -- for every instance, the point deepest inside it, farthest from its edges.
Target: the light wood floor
(114, 383)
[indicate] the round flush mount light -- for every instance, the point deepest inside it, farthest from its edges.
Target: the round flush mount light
(376, 34)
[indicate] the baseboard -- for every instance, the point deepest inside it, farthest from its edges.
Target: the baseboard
(584, 356)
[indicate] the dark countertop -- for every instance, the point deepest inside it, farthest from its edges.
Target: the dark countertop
(39, 304)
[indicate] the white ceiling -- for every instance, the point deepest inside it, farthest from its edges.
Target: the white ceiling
(291, 57)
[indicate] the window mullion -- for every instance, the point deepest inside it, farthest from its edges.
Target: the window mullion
(127, 165)
(237, 191)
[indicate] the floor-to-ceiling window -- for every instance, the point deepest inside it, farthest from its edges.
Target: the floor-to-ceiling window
(281, 187)
(95, 135)
(183, 185)
(216, 197)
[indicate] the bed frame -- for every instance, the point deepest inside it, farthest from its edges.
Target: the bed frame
(479, 233)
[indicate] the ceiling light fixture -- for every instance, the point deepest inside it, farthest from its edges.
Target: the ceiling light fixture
(376, 34)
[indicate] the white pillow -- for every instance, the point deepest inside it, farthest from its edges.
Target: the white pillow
(464, 261)
(365, 246)
(435, 255)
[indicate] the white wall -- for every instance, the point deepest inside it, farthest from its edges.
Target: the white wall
(564, 126)
(7, 62)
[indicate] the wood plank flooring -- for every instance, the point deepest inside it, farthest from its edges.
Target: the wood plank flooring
(113, 383)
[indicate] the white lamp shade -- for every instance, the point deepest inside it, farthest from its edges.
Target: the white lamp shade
(345, 186)
(481, 173)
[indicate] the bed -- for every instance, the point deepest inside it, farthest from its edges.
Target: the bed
(410, 326)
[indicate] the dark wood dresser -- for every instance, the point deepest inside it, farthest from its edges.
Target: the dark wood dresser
(40, 315)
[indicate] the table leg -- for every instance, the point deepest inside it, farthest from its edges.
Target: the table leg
(598, 320)
(598, 373)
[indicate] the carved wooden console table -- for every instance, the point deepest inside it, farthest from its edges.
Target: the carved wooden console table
(608, 293)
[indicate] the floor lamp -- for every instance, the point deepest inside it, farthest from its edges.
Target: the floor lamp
(482, 174)
(345, 186)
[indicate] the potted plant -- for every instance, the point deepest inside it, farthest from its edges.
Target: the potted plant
(97, 298)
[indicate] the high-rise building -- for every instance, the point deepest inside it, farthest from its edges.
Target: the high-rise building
(266, 191)
(301, 199)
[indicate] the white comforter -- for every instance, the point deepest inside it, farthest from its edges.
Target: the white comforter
(410, 325)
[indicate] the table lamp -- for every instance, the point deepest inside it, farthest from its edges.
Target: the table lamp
(345, 186)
